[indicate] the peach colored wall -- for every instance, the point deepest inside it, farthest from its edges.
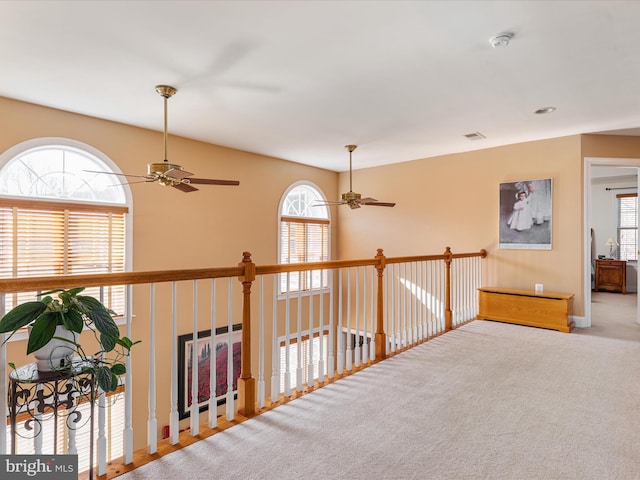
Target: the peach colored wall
(610, 146)
(453, 201)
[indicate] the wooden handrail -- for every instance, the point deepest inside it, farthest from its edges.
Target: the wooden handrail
(29, 284)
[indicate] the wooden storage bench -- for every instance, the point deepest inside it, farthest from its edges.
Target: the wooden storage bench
(527, 307)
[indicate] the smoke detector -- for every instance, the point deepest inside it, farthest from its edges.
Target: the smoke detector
(501, 40)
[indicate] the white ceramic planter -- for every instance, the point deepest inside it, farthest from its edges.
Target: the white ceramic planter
(57, 353)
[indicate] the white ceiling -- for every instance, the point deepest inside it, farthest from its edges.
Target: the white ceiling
(298, 80)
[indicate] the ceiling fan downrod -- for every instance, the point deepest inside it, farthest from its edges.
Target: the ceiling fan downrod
(167, 92)
(351, 148)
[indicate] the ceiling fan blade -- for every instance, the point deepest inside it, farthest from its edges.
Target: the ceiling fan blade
(367, 200)
(211, 181)
(146, 177)
(185, 187)
(131, 183)
(177, 173)
(380, 204)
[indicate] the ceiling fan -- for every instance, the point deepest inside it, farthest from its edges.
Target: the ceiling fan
(355, 200)
(172, 174)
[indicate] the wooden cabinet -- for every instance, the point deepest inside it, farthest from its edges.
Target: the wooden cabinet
(527, 307)
(611, 276)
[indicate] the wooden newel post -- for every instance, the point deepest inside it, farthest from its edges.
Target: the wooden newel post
(381, 337)
(246, 383)
(448, 316)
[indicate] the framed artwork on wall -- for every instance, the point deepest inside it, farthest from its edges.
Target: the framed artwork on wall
(525, 214)
(223, 341)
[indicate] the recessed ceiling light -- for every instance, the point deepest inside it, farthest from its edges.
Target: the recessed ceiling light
(544, 110)
(501, 40)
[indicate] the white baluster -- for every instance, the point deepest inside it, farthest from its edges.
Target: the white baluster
(310, 359)
(419, 296)
(340, 332)
(261, 352)
(72, 448)
(174, 429)
(287, 340)
(412, 305)
(102, 420)
(392, 318)
(406, 330)
(365, 323)
(194, 420)
(357, 352)
(349, 352)
(213, 362)
(321, 352)
(152, 422)
(388, 326)
(397, 308)
(330, 356)
(3, 376)
(128, 387)
(230, 400)
(275, 346)
(372, 344)
(425, 300)
(299, 336)
(441, 295)
(37, 439)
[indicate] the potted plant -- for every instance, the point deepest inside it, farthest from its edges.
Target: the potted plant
(55, 323)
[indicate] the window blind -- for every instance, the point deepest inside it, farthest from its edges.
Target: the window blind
(627, 226)
(303, 240)
(50, 238)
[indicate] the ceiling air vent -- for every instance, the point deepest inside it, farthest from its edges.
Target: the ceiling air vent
(475, 136)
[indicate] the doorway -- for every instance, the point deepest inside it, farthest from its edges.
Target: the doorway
(606, 181)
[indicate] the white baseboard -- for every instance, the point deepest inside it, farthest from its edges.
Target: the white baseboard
(580, 322)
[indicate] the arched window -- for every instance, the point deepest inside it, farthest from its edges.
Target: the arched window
(59, 217)
(304, 236)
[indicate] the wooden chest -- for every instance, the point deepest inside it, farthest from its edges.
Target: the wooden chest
(527, 307)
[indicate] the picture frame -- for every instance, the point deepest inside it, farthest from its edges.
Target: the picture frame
(222, 341)
(525, 214)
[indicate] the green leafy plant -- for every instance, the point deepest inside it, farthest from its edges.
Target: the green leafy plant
(75, 312)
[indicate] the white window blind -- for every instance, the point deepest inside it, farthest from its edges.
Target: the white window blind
(40, 238)
(303, 240)
(627, 226)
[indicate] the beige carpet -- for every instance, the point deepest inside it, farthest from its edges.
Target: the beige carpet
(487, 401)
